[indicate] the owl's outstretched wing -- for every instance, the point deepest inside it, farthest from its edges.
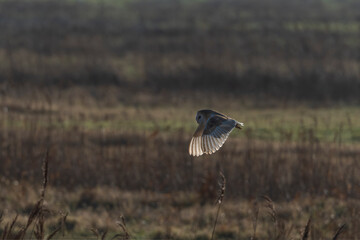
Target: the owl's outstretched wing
(210, 137)
(217, 130)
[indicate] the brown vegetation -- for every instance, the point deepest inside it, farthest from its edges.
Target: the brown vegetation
(153, 161)
(99, 172)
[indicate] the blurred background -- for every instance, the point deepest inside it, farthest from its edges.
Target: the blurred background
(112, 88)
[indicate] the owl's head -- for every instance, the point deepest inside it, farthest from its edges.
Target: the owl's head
(199, 117)
(203, 115)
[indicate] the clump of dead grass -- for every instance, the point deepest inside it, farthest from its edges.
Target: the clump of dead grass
(36, 217)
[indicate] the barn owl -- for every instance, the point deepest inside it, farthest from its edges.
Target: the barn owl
(213, 130)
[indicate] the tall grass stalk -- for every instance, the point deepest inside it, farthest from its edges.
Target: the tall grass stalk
(219, 201)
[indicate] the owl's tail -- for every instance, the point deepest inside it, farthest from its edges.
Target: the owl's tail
(239, 125)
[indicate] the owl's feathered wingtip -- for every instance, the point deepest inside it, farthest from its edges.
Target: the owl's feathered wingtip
(195, 147)
(239, 125)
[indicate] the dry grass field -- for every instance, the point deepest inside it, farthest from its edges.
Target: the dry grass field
(133, 161)
(110, 90)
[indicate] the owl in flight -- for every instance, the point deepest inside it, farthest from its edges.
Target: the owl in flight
(213, 130)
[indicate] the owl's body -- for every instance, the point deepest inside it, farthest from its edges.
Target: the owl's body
(213, 130)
